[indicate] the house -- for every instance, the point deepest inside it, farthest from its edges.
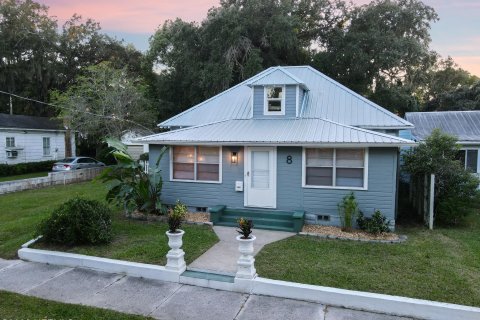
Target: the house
(32, 139)
(464, 125)
(288, 140)
(134, 148)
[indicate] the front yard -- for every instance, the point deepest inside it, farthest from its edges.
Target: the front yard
(24, 176)
(441, 265)
(137, 241)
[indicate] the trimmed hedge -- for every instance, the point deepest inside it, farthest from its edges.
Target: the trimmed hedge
(7, 170)
(78, 221)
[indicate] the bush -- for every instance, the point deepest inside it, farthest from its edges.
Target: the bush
(78, 221)
(348, 210)
(376, 224)
(7, 170)
(176, 217)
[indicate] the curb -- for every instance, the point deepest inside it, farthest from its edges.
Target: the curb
(373, 302)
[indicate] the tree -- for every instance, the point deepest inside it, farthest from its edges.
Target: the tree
(455, 188)
(381, 50)
(105, 102)
(463, 98)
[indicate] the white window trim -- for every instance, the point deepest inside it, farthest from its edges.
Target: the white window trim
(265, 102)
(365, 171)
(466, 156)
(220, 169)
(14, 142)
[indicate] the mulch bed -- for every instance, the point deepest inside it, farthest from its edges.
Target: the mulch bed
(337, 233)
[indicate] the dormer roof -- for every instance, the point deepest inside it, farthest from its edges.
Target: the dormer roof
(276, 76)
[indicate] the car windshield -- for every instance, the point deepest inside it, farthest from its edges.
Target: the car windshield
(67, 160)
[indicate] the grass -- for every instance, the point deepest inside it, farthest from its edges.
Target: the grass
(138, 241)
(16, 306)
(24, 176)
(441, 265)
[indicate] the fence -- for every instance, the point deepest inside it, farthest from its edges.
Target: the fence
(422, 197)
(53, 178)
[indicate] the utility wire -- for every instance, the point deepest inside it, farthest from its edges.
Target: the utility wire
(86, 112)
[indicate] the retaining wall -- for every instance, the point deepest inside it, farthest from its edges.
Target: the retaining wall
(53, 179)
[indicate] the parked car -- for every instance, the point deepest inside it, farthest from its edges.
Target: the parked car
(76, 163)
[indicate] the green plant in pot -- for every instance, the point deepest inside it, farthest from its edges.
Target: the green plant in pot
(176, 216)
(245, 264)
(245, 228)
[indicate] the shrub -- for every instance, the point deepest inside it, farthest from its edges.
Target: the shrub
(245, 227)
(376, 224)
(348, 210)
(78, 221)
(176, 217)
(7, 170)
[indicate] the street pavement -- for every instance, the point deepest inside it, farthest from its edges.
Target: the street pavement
(159, 299)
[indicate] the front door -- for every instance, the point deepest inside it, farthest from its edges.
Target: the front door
(260, 177)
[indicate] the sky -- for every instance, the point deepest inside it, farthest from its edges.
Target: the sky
(456, 34)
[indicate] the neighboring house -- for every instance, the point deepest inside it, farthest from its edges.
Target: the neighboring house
(32, 139)
(287, 139)
(464, 125)
(134, 148)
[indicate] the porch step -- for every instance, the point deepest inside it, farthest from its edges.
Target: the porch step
(208, 276)
(291, 221)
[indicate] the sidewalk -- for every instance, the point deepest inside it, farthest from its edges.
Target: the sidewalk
(160, 300)
(223, 256)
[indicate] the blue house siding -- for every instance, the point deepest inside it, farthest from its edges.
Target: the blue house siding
(290, 102)
(291, 195)
(202, 194)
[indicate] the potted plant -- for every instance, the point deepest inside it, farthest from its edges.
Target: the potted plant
(175, 260)
(245, 240)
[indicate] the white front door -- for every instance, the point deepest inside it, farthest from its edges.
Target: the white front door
(260, 177)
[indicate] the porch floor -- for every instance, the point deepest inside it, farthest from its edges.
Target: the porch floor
(222, 257)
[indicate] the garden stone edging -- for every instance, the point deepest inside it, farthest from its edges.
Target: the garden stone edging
(401, 238)
(373, 302)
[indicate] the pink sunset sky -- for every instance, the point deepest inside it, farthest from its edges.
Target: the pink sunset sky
(457, 34)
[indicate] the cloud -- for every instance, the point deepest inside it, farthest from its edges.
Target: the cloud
(131, 16)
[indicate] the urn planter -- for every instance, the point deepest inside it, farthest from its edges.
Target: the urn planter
(175, 257)
(245, 264)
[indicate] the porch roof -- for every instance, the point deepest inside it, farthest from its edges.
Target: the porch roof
(293, 131)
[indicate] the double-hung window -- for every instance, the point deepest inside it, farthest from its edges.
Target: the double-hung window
(336, 168)
(46, 146)
(274, 100)
(10, 142)
(196, 163)
(469, 159)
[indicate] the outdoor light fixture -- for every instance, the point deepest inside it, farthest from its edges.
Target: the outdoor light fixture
(234, 157)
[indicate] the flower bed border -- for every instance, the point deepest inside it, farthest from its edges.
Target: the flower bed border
(401, 238)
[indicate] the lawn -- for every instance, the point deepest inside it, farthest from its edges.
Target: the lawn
(24, 176)
(16, 306)
(441, 265)
(137, 241)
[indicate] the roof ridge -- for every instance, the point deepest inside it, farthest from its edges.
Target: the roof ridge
(350, 91)
(188, 128)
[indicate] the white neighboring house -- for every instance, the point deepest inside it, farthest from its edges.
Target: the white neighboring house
(32, 139)
(134, 148)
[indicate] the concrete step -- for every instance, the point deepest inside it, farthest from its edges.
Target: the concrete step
(257, 226)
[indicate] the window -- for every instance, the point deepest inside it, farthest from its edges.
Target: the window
(196, 163)
(10, 142)
(469, 158)
(343, 168)
(46, 146)
(274, 100)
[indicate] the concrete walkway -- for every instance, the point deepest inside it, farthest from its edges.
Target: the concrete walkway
(222, 257)
(160, 300)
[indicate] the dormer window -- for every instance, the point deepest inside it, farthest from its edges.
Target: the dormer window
(274, 100)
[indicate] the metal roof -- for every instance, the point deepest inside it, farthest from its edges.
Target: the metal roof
(29, 122)
(327, 99)
(276, 76)
(276, 131)
(465, 125)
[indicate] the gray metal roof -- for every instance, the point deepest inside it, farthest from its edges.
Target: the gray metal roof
(276, 131)
(327, 99)
(276, 76)
(465, 125)
(29, 122)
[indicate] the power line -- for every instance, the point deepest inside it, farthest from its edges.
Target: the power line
(66, 108)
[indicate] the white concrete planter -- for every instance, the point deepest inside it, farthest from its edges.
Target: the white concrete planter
(175, 257)
(245, 264)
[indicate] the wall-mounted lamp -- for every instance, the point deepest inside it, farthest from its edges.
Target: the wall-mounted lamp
(234, 158)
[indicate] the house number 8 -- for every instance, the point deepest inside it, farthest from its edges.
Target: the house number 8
(289, 159)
